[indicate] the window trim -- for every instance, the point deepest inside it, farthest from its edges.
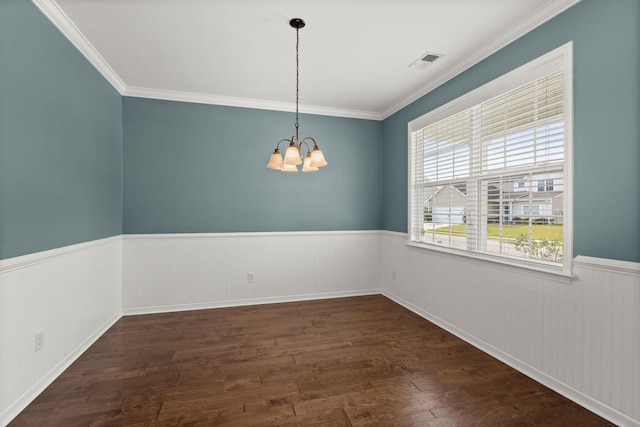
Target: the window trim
(559, 58)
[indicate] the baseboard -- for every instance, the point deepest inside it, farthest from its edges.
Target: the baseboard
(23, 401)
(580, 398)
(244, 302)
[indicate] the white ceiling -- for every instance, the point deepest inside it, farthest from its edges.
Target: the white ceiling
(354, 54)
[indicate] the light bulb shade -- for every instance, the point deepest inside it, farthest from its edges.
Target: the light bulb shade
(306, 165)
(275, 162)
(289, 168)
(317, 158)
(292, 155)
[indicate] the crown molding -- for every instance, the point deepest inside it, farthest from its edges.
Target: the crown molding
(57, 16)
(261, 104)
(513, 33)
(52, 11)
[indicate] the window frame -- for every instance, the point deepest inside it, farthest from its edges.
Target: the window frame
(560, 58)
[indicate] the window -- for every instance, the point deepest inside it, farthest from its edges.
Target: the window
(533, 210)
(476, 163)
(545, 185)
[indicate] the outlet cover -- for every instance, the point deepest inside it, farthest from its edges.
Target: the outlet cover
(39, 340)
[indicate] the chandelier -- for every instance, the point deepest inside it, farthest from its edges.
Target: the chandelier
(292, 157)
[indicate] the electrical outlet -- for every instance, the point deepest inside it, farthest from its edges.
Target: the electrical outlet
(251, 277)
(393, 274)
(39, 340)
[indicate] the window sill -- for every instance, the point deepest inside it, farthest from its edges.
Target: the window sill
(546, 271)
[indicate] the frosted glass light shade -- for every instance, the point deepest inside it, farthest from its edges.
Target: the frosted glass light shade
(317, 158)
(275, 162)
(289, 168)
(292, 155)
(306, 166)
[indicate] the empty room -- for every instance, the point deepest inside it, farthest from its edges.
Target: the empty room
(319, 213)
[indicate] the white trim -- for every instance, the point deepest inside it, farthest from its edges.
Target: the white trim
(260, 104)
(571, 393)
(608, 265)
(56, 15)
(514, 265)
(25, 261)
(593, 263)
(567, 226)
(246, 302)
(29, 396)
(248, 234)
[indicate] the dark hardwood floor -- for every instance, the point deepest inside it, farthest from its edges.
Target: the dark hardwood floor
(339, 362)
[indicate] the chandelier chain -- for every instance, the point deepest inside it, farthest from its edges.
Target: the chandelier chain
(297, 77)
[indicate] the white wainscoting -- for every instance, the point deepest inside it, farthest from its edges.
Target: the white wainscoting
(73, 294)
(580, 338)
(171, 272)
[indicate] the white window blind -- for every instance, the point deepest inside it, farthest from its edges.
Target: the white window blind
(490, 178)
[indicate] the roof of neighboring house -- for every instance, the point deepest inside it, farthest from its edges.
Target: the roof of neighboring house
(494, 193)
(455, 187)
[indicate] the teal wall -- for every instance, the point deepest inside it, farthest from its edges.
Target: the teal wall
(195, 168)
(606, 36)
(60, 139)
(200, 168)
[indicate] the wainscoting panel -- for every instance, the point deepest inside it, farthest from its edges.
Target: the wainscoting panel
(580, 338)
(72, 295)
(170, 272)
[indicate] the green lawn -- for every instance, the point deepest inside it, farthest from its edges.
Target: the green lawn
(510, 231)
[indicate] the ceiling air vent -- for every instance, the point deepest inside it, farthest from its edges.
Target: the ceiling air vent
(430, 57)
(425, 60)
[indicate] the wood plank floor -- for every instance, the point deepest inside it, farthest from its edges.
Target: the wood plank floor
(361, 361)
